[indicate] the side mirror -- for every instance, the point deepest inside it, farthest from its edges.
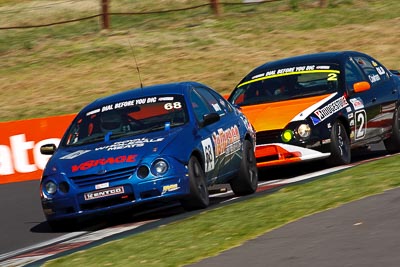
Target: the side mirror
(48, 149)
(361, 87)
(210, 118)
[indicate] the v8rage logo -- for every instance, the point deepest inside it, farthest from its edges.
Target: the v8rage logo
(103, 161)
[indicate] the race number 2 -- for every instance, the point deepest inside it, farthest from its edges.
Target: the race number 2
(361, 124)
(208, 155)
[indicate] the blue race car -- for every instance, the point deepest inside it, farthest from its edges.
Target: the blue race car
(169, 141)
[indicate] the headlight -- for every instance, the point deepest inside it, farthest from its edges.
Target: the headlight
(159, 167)
(304, 131)
(50, 187)
(287, 135)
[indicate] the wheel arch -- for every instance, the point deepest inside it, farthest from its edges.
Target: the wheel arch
(345, 123)
(196, 153)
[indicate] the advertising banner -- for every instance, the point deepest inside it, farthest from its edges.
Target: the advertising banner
(20, 142)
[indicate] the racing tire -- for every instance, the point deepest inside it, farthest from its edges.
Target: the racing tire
(199, 196)
(392, 144)
(340, 146)
(246, 182)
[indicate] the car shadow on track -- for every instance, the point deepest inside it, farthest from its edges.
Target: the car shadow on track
(142, 213)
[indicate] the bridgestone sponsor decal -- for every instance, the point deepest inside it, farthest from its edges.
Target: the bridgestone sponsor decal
(104, 193)
(331, 108)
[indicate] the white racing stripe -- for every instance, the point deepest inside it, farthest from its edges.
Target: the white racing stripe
(82, 238)
(307, 112)
(41, 245)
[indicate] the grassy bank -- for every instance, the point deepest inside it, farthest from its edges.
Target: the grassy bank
(59, 69)
(227, 227)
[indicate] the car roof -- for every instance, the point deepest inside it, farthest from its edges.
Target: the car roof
(147, 91)
(322, 57)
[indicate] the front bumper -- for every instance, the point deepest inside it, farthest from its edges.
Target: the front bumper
(276, 154)
(86, 202)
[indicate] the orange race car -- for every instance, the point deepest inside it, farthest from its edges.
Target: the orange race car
(320, 106)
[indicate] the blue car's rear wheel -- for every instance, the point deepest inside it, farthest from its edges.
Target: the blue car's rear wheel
(198, 197)
(246, 182)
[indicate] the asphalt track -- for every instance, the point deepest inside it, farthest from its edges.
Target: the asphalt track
(23, 225)
(362, 233)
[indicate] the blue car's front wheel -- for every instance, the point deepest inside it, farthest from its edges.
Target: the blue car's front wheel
(198, 197)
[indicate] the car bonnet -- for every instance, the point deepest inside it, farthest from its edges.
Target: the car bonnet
(276, 115)
(103, 157)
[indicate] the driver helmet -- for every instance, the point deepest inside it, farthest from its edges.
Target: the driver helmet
(110, 121)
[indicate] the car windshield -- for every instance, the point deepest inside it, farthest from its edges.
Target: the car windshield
(287, 83)
(127, 118)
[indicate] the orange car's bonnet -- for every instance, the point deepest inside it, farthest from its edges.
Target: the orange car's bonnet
(276, 115)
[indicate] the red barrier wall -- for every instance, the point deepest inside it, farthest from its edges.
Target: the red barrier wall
(20, 142)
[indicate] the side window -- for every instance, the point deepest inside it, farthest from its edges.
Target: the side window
(353, 74)
(374, 71)
(211, 100)
(383, 73)
(200, 107)
(224, 103)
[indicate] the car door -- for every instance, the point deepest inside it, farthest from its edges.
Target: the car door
(373, 109)
(232, 137)
(384, 93)
(364, 105)
(214, 136)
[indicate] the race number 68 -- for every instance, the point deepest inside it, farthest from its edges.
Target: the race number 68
(175, 105)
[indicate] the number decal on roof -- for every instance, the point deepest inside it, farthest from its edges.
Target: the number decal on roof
(332, 77)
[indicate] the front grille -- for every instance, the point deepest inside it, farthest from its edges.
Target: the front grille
(267, 137)
(110, 176)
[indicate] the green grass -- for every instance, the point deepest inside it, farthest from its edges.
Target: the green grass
(229, 226)
(59, 69)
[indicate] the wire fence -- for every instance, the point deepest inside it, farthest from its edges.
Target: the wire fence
(105, 15)
(25, 9)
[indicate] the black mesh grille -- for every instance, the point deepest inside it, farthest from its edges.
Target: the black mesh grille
(265, 137)
(115, 175)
